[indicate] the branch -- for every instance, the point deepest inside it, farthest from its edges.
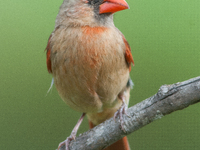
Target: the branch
(169, 98)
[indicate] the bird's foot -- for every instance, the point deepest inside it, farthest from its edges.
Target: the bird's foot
(66, 142)
(73, 134)
(122, 110)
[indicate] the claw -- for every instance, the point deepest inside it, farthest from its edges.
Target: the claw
(73, 134)
(125, 111)
(122, 110)
(66, 143)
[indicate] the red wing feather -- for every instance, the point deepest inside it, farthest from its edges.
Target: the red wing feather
(48, 55)
(128, 55)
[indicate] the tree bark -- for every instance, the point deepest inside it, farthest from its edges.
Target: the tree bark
(169, 98)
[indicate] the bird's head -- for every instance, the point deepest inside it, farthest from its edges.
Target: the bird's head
(89, 12)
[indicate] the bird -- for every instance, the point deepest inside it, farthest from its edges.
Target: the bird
(90, 61)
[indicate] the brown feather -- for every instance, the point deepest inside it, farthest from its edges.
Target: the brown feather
(89, 69)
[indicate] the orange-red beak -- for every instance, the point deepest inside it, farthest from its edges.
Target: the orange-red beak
(112, 6)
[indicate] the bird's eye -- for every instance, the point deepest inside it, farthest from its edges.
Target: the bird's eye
(92, 2)
(96, 1)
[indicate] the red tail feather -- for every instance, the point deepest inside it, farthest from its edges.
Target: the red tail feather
(122, 144)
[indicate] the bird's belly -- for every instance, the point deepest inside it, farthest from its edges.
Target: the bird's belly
(89, 76)
(89, 87)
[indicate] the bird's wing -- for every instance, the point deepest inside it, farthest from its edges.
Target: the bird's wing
(48, 55)
(128, 55)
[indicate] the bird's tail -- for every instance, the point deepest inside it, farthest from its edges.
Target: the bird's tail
(121, 144)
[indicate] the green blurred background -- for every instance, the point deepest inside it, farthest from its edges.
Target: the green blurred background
(165, 39)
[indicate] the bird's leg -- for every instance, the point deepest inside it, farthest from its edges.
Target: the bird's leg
(73, 134)
(122, 110)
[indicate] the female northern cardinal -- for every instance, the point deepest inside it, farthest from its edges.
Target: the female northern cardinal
(90, 61)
